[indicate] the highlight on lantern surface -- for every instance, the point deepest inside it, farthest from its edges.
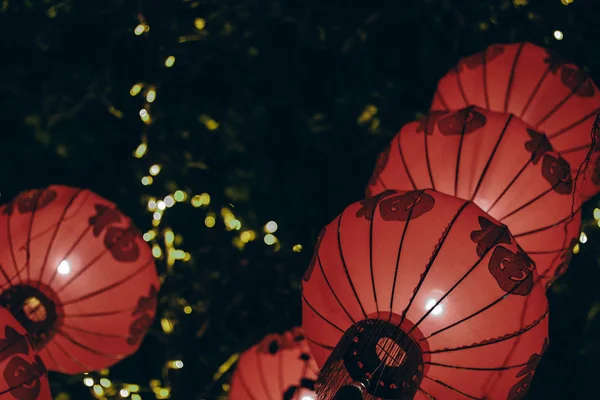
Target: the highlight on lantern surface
(429, 286)
(76, 273)
(278, 367)
(537, 85)
(23, 375)
(499, 163)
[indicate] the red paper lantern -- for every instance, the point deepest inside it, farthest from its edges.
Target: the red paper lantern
(419, 293)
(22, 372)
(77, 275)
(499, 163)
(280, 367)
(537, 85)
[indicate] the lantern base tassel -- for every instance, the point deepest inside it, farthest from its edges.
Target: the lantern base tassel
(374, 359)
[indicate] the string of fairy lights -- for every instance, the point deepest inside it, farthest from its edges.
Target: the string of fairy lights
(165, 242)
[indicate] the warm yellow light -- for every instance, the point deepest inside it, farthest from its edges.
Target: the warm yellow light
(210, 221)
(234, 224)
(583, 237)
(271, 227)
(147, 237)
(177, 364)
(178, 254)
(140, 150)
(167, 325)
(156, 251)
(133, 388)
(135, 89)
(163, 393)
(87, 381)
(558, 35)
(157, 216)
(98, 390)
(211, 124)
(566, 2)
(246, 236)
(154, 170)
(179, 195)
(105, 382)
(169, 61)
(187, 256)
(152, 204)
(199, 23)
(169, 237)
(226, 387)
(136, 397)
(596, 213)
(139, 29)
(188, 310)
(169, 201)
(270, 239)
(124, 392)
(144, 115)
(297, 248)
(147, 180)
(576, 248)
(151, 96)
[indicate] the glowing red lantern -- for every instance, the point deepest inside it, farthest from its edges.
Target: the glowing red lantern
(499, 163)
(422, 294)
(77, 275)
(279, 367)
(22, 372)
(537, 85)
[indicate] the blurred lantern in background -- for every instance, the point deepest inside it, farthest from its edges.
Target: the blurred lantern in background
(537, 85)
(280, 367)
(22, 373)
(422, 294)
(76, 273)
(499, 163)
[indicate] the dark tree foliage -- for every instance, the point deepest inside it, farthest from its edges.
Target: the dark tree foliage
(286, 81)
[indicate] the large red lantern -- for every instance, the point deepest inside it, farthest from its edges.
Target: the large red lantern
(505, 167)
(537, 85)
(77, 275)
(22, 372)
(280, 367)
(418, 294)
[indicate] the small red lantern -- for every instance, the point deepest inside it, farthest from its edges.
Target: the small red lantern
(77, 275)
(418, 294)
(22, 373)
(540, 87)
(279, 367)
(495, 160)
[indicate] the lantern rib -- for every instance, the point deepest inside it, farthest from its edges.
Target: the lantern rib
(453, 389)
(99, 334)
(69, 355)
(526, 233)
(503, 368)
(434, 255)
(535, 252)
(507, 188)
(458, 156)
(373, 287)
(320, 315)
(484, 76)
(381, 181)
(11, 247)
(401, 244)
(573, 125)
(91, 350)
(582, 80)
(321, 345)
(494, 340)
(527, 204)
(493, 303)
(404, 162)
(54, 235)
(21, 384)
(51, 357)
(511, 77)
(94, 260)
(461, 88)
(98, 314)
(339, 245)
(149, 263)
(261, 373)
(574, 150)
(244, 384)
(331, 288)
(28, 244)
(430, 397)
(427, 162)
(491, 157)
(534, 93)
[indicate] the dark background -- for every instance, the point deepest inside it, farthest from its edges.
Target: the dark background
(287, 82)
